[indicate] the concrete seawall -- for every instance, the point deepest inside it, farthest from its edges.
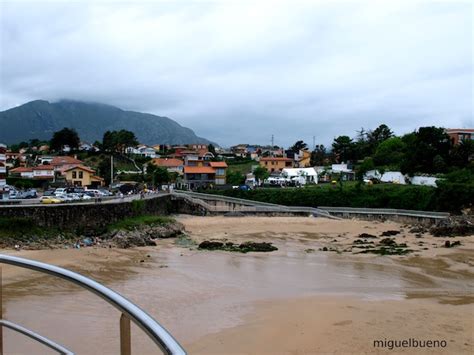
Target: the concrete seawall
(90, 216)
(94, 216)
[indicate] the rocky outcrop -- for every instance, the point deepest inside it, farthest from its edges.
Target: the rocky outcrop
(242, 248)
(144, 236)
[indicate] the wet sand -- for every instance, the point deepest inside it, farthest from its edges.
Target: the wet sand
(286, 302)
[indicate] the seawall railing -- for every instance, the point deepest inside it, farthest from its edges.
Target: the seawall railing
(129, 311)
(323, 211)
(246, 205)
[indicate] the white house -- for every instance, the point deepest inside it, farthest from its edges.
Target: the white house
(306, 175)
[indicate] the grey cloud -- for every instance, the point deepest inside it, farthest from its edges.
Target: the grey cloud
(241, 71)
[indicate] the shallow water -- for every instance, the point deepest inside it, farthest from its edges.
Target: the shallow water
(194, 293)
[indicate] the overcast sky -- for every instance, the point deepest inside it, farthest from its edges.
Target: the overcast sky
(237, 71)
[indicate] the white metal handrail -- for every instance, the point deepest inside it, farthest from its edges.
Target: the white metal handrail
(130, 312)
(35, 336)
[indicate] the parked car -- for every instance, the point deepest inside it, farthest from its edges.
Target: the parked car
(60, 191)
(86, 197)
(105, 192)
(100, 192)
(74, 196)
(30, 193)
(49, 200)
(48, 193)
(64, 198)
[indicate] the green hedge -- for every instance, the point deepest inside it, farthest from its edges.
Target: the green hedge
(448, 197)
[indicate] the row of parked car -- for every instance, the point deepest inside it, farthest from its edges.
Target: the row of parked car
(18, 194)
(72, 194)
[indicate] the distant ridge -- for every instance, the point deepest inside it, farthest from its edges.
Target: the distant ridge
(40, 118)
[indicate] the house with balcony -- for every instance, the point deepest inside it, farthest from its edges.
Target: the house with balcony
(205, 175)
(274, 164)
(220, 168)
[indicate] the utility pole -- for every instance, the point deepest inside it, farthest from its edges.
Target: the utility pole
(314, 142)
(273, 141)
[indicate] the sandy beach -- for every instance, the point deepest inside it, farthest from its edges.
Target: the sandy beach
(296, 300)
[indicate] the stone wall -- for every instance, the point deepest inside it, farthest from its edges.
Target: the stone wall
(95, 216)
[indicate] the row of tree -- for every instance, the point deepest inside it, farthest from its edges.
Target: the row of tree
(426, 150)
(112, 141)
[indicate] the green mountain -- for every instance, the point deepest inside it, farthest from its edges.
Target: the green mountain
(39, 119)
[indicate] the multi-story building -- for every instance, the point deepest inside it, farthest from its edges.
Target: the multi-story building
(208, 174)
(273, 164)
(457, 135)
(81, 175)
(3, 172)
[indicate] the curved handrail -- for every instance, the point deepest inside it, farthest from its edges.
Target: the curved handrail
(43, 340)
(152, 328)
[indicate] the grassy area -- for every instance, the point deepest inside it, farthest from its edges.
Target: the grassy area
(131, 223)
(242, 167)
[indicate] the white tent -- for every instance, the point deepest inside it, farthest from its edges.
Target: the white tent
(308, 175)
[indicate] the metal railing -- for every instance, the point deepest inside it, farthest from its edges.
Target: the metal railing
(247, 205)
(129, 311)
(386, 211)
(321, 210)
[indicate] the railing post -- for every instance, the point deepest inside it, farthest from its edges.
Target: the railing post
(125, 336)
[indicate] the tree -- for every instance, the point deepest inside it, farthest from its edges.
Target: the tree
(161, 176)
(211, 149)
(422, 147)
(461, 154)
(103, 170)
(380, 134)
(299, 145)
(66, 136)
(390, 152)
(261, 174)
(318, 156)
(343, 147)
(235, 177)
(118, 141)
(363, 168)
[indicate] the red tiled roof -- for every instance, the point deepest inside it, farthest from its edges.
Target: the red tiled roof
(218, 164)
(21, 170)
(169, 163)
(80, 167)
(199, 170)
(459, 130)
(63, 160)
(44, 167)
